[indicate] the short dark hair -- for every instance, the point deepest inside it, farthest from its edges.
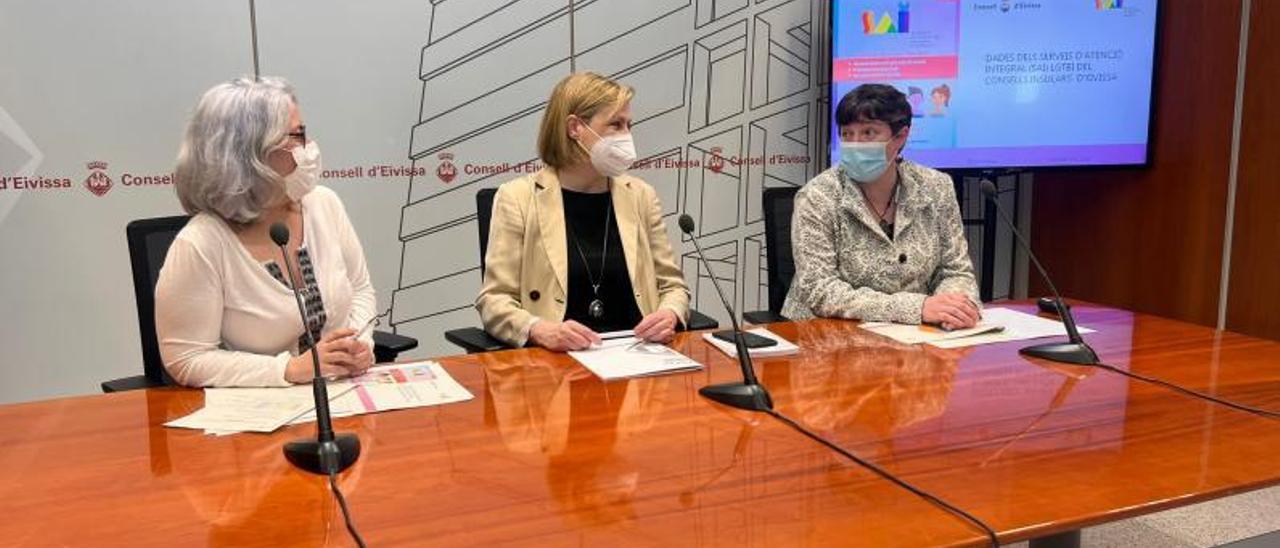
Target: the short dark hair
(875, 103)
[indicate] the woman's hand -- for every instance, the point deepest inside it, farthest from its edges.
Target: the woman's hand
(362, 356)
(562, 336)
(951, 311)
(340, 354)
(659, 327)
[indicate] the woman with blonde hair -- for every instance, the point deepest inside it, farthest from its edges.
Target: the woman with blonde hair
(579, 247)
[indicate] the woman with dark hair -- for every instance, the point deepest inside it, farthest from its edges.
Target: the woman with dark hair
(877, 237)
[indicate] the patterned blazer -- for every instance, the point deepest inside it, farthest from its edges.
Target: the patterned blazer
(847, 267)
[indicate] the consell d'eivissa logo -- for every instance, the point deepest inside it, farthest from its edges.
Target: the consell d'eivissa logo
(98, 182)
(716, 163)
(446, 171)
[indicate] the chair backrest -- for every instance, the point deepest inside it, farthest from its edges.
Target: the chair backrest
(149, 241)
(484, 213)
(778, 204)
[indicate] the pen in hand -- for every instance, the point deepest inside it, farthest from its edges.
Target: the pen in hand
(375, 320)
(367, 327)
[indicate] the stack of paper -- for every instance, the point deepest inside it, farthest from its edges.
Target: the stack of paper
(997, 325)
(401, 386)
(247, 409)
(916, 334)
(1017, 326)
(630, 357)
(783, 348)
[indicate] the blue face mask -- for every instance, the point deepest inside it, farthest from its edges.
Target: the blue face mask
(864, 162)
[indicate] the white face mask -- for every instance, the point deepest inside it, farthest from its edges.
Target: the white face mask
(612, 155)
(306, 175)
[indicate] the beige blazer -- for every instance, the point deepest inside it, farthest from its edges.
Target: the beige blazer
(526, 273)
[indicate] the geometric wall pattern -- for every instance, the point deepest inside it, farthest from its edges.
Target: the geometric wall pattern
(731, 98)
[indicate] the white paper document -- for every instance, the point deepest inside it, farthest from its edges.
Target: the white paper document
(228, 410)
(631, 357)
(401, 386)
(916, 334)
(382, 388)
(997, 325)
(1018, 326)
(783, 348)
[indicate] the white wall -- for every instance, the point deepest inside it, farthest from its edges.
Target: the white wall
(86, 81)
(396, 83)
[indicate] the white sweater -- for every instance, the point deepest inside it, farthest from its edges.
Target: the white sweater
(223, 320)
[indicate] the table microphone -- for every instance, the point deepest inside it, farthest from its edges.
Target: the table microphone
(748, 394)
(1075, 350)
(327, 454)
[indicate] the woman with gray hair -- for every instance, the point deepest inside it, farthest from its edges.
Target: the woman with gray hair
(225, 312)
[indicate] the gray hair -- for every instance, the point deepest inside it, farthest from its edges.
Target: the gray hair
(222, 166)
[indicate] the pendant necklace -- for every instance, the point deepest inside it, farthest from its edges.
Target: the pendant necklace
(596, 308)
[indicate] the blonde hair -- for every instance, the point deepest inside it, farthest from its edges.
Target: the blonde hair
(582, 94)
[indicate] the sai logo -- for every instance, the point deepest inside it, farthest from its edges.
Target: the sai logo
(1101, 5)
(98, 182)
(716, 163)
(446, 171)
(887, 24)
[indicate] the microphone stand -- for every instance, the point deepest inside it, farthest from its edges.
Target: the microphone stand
(328, 453)
(748, 394)
(1075, 350)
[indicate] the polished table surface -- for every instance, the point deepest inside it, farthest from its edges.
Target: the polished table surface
(548, 455)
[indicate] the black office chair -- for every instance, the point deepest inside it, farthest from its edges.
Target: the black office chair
(475, 339)
(778, 204)
(149, 241)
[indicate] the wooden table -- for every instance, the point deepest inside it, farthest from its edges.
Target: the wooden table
(547, 455)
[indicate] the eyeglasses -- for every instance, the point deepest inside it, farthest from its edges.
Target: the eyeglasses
(300, 135)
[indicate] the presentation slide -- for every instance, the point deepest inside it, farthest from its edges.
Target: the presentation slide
(1004, 83)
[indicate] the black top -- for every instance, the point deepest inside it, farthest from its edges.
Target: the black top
(584, 216)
